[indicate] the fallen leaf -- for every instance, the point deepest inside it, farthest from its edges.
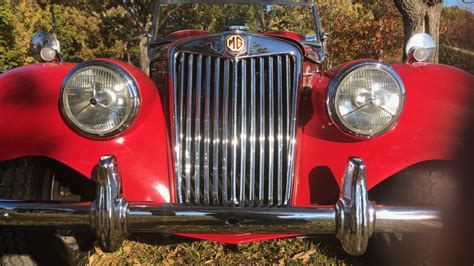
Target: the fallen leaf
(127, 249)
(307, 255)
(295, 257)
(98, 251)
(92, 259)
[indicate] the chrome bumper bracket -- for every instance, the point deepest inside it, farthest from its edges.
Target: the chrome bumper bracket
(355, 214)
(108, 213)
(353, 219)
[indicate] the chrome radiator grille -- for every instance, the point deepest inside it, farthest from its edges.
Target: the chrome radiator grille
(234, 123)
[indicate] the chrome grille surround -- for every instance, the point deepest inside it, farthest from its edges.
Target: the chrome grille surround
(234, 145)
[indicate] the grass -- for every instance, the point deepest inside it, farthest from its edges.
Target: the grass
(160, 249)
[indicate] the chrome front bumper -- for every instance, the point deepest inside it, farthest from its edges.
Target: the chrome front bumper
(353, 219)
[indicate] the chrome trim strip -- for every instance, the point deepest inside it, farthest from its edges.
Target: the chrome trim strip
(178, 125)
(253, 137)
(207, 131)
(189, 139)
(197, 131)
(261, 183)
(353, 219)
(280, 132)
(288, 97)
(292, 145)
(271, 133)
(243, 131)
(216, 139)
(235, 135)
(225, 133)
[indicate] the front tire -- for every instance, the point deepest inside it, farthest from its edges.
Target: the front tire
(31, 179)
(429, 185)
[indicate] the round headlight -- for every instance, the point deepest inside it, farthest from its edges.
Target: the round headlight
(366, 99)
(99, 98)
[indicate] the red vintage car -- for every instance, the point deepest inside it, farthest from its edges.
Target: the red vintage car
(238, 134)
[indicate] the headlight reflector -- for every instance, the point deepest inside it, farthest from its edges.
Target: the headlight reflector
(366, 99)
(99, 98)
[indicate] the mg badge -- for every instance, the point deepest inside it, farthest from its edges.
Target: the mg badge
(236, 43)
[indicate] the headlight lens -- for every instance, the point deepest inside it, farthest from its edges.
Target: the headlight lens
(366, 99)
(99, 98)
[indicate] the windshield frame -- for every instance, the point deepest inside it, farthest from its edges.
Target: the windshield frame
(316, 20)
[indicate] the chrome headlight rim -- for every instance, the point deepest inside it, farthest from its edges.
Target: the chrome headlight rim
(131, 86)
(332, 92)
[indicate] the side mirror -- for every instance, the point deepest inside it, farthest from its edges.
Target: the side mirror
(44, 47)
(420, 48)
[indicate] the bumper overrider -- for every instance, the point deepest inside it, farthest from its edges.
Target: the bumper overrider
(354, 219)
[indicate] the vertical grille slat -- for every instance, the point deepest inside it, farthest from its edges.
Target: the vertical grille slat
(271, 131)
(261, 193)
(207, 137)
(280, 131)
(225, 132)
(179, 123)
(252, 138)
(235, 133)
(288, 98)
(197, 132)
(243, 131)
(216, 141)
(292, 136)
(187, 154)
(234, 129)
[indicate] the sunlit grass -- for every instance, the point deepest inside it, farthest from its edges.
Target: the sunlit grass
(170, 250)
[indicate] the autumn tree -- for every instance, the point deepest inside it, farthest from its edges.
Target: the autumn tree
(128, 20)
(118, 29)
(361, 29)
(456, 40)
(18, 21)
(421, 16)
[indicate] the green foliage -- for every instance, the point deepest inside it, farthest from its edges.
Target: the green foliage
(18, 21)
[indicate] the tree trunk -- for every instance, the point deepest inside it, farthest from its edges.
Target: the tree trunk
(144, 60)
(420, 16)
(433, 17)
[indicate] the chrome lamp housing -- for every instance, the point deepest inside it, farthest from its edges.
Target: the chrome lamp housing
(420, 48)
(44, 47)
(366, 99)
(99, 99)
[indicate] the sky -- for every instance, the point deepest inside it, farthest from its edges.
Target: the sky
(456, 2)
(450, 2)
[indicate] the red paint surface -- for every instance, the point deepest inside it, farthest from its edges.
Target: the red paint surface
(437, 100)
(286, 34)
(438, 97)
(185, 33)
(31, 124)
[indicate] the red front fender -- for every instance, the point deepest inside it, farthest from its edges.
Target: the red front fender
(438, 98)
(31, 124)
